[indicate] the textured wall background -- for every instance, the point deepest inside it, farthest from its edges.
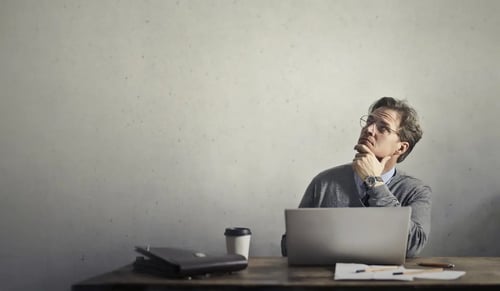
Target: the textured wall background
(162, 122)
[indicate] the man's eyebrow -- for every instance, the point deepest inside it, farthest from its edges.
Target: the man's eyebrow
(379, 119)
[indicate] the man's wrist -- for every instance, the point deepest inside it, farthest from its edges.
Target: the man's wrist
(373, 181)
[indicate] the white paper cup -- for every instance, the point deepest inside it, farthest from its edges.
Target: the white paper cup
(238, 240)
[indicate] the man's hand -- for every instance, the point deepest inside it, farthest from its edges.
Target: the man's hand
(365, 163)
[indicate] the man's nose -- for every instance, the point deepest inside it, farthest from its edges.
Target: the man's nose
(371, 128)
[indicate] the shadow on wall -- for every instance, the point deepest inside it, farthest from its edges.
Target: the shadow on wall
(479, 232)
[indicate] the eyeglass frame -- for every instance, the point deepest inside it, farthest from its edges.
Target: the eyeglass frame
(363, 122)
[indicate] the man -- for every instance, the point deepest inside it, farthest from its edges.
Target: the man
(389, 133)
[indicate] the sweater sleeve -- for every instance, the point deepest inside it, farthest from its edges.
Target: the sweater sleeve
(420, 226)
(381, 196)
(418, 197)
(310, 198)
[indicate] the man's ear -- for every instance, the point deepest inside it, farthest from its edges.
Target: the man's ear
(403, 147)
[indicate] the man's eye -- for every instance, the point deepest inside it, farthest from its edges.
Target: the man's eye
(383, 129)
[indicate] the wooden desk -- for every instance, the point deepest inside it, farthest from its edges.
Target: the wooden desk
(273, 273)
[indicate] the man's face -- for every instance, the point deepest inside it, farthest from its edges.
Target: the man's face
(380, 133)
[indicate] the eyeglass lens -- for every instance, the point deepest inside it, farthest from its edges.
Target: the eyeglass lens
(379, 124)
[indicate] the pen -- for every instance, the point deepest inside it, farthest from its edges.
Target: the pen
(418, 271)
(436, 264)
(376, 269)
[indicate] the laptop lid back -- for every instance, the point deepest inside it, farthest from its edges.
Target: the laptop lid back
(324, 236)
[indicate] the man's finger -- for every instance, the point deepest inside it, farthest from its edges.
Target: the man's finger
(360, 148)
(360, 155)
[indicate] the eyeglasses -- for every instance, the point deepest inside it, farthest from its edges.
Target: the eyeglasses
(382, 127)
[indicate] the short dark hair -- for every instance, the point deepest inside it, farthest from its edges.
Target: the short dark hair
(410, 130)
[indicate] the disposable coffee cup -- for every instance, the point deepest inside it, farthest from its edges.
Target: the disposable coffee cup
(238, 240)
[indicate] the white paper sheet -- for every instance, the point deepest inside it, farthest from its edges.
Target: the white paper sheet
(348, 272)
(445, 275)
(345, 271)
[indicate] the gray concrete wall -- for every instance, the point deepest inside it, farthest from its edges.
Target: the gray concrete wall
(125, 123)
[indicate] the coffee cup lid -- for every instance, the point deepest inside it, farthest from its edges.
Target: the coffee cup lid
(237, 231)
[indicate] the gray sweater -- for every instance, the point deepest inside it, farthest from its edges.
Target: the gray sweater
(336, 187)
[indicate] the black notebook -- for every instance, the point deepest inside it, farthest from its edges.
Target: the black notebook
(177, 263)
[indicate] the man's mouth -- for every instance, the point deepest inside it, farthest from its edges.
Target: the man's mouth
(365, 140)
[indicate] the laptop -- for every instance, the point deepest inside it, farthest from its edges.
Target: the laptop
(367, 235)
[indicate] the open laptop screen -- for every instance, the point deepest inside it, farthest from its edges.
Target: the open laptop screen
(374, 235)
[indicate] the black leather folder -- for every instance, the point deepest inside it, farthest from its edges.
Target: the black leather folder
(178, 263)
